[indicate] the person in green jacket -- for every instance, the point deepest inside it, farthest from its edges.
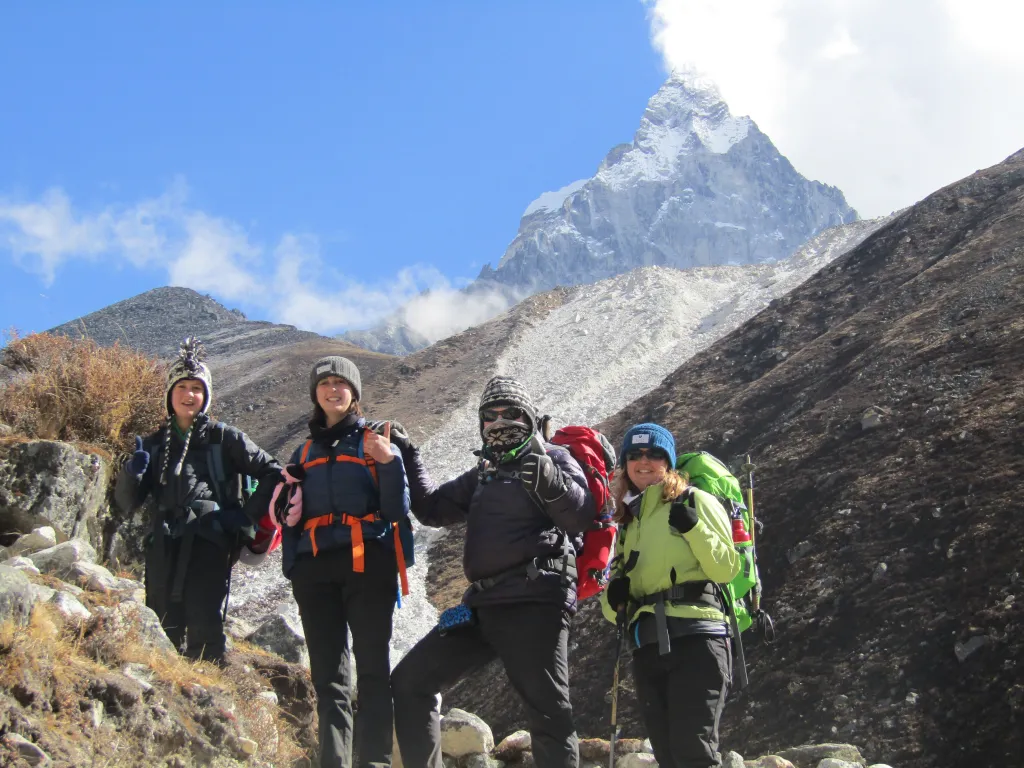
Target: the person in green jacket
(675, 549)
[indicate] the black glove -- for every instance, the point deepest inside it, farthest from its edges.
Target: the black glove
(540, 475)
(234, 519)
(139, 461)
(681, 515)
(399, 436)
(618, 593)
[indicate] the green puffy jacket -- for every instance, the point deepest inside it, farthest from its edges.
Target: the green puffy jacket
(705, 553)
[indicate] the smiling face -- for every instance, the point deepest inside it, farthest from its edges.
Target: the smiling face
(187, 398)
(334, 395)
(646, 467)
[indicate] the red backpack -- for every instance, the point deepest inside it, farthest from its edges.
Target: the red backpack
(596, 457)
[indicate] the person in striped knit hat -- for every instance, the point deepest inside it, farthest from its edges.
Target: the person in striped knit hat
(198, 522)
(524, 505)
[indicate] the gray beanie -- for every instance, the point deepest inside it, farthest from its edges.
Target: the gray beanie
(333, 365)
(505, 390)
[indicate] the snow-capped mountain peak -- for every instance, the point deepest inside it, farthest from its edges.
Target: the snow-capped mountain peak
(686, 116)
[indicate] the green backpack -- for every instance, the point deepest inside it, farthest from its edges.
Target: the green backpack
(707, 473)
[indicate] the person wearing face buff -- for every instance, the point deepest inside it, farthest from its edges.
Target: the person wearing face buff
(675, 548)
(525, 506)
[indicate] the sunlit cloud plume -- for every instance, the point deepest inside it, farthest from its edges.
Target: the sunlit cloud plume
(888, 101)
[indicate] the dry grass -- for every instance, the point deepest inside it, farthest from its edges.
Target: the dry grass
(77, 391)
(50, 666)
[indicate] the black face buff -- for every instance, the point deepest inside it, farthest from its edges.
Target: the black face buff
(503, 435)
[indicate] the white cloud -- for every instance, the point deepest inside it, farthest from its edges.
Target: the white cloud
(888, 101)
(290, 283)
(311, 295)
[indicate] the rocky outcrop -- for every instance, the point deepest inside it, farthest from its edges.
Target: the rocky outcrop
(91, 678)
(55, 484)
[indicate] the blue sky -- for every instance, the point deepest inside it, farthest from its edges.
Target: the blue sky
(373, 136)
(321, 163)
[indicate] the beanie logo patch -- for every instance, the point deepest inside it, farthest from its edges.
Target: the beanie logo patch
(324, 368)
(641, 439)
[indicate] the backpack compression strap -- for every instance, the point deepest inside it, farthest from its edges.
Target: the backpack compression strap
(354, 523)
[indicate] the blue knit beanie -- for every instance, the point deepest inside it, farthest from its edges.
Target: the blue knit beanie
(648, 436)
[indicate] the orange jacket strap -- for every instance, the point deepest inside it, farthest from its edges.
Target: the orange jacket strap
(314, 523)
(305, 452)
(403, 577)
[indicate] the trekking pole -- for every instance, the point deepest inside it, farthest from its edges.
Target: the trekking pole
(749, 468)
(620, 639)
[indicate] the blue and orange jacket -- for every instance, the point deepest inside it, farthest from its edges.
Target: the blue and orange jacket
(347, 498)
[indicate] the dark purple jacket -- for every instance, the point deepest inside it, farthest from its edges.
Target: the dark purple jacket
(505, 527)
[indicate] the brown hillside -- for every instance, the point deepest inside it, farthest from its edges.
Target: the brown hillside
(265, 391)
(923, 320)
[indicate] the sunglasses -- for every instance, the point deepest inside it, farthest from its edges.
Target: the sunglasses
(511, 413)
(635, 454)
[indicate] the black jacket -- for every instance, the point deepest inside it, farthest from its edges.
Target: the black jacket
(505, 527)
(170, 502)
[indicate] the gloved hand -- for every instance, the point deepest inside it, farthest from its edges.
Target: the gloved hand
(540, 475)
(399, 436)
(233, 519)
(139, 461)
(681, 515)
(286, 502)
(618, 593)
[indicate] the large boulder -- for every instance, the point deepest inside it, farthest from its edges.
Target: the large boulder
(284, 636)
(61, 560)
(809, 755)
(49, 483)
(129, 619)
(465, 734)
(16, 595)
(43, 537)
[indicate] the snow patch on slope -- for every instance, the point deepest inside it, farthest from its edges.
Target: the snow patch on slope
(552, 201)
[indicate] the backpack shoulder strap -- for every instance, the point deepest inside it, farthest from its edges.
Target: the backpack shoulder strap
(215, 461)
(371, 465)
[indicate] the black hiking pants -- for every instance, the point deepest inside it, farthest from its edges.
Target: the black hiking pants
(682, 695)
(332, 599)
(531, 639)
(196, 619)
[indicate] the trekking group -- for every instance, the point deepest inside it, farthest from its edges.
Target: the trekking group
(544, 515)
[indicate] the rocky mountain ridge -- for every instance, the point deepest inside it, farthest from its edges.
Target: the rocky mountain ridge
(696, 187)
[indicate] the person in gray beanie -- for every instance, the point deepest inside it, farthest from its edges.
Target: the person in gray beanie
(525, 505)
(346, 542)
(200, 519)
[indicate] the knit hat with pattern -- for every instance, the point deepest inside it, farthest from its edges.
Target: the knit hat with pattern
(505, 390)
(189, 365)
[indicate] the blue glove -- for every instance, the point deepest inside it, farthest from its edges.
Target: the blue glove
(139, 461)
(233, 519)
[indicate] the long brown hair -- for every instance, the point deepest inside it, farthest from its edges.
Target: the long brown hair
(672, 488)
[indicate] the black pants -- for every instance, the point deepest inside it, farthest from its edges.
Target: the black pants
(532, 642)
(197, 618)
(332, 599)
(682, 695)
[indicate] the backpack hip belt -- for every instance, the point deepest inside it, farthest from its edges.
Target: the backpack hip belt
(564, 565)
(695, 592)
